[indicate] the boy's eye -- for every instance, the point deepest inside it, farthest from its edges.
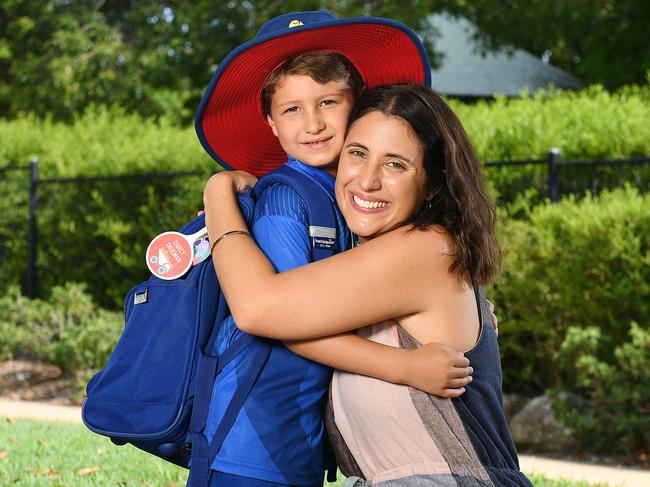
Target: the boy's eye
(291, 109)
(328, 102)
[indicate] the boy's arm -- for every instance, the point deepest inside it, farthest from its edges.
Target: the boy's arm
(433, 368)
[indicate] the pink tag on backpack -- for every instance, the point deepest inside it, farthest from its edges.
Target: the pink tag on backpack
(171, 254)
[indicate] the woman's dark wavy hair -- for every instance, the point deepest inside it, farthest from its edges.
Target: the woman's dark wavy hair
(460, 202)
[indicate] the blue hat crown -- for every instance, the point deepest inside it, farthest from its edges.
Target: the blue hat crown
(285, 22)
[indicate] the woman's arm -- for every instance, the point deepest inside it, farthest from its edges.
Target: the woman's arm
(434, 368)
(384, 278)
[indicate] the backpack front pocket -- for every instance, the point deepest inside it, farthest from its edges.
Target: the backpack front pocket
(146, 376)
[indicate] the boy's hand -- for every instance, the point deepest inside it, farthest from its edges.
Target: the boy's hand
(242, 179)
(438, 369)
(238, 179)
(495, 320)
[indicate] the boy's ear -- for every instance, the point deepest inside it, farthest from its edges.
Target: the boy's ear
(272, 125)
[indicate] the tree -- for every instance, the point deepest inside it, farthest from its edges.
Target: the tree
(600, 41)
(149, 56)
(57, 57)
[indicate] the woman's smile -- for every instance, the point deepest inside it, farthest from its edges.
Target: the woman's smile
(368, 203)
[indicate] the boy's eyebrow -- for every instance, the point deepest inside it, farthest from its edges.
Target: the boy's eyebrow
(327, 95)
(387, 154)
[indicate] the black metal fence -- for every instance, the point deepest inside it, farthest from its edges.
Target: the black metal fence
(42, 193)
(553, 177)
(549, 178)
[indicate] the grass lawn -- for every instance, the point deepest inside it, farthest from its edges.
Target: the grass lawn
(36, 453)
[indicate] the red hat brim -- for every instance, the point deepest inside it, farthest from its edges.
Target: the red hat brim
(230, 121)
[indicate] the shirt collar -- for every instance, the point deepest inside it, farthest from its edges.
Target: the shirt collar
(321, 176)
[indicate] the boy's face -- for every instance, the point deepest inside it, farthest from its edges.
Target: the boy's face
(310, 119)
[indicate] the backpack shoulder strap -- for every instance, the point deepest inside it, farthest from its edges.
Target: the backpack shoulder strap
(320, 210)
(322, 232)
(209, 366)
(246, 202)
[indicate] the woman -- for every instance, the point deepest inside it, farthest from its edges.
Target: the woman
(410, 187)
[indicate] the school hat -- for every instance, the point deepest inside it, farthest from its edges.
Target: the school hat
(230, 121)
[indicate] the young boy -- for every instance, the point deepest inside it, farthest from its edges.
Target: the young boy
(287, 94)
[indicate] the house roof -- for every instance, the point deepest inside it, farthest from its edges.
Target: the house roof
(466, 72)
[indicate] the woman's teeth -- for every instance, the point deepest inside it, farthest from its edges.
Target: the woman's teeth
(368, 204)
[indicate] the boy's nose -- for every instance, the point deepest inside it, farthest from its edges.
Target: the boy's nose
(313, 123)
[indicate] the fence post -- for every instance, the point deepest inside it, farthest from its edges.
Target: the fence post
(554, 174)
(31, 253)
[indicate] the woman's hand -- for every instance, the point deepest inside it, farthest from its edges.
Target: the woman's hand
(439, 370)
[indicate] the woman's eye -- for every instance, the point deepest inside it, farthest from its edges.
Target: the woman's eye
(356, 153)
(396, 165)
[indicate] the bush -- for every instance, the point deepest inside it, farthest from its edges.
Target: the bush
(572, 264)
(614, 404)
(109, 141)
(102, 141)
(97, 233)
(67, 330)
(587, 124)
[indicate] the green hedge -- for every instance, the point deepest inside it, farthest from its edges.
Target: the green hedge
(572, 264)
(591, 123)
(101, 142)
(67, 330)
(573, 303)
(586, 124)
(610, 404)
(97, 233)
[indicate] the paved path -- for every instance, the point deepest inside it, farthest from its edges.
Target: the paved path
(558, 469)
(39, 410)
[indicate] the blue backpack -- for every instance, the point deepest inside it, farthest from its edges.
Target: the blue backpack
(156, 388)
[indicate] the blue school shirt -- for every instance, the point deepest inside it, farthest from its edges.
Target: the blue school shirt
(279, 433)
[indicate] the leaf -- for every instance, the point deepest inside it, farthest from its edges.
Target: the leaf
(10, 420)
(88, 471)
(47, 472)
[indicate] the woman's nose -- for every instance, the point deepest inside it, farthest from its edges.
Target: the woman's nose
(370, 177)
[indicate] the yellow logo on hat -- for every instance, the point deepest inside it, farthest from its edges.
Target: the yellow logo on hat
(295, 23)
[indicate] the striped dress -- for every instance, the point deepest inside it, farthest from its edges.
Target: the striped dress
(394, 435)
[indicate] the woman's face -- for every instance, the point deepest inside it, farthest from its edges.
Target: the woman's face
(381, 181)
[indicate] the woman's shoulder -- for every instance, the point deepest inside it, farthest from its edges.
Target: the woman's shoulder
(408, 237)
(408, 244)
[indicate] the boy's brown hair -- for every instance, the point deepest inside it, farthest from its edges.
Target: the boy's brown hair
(321, 66)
